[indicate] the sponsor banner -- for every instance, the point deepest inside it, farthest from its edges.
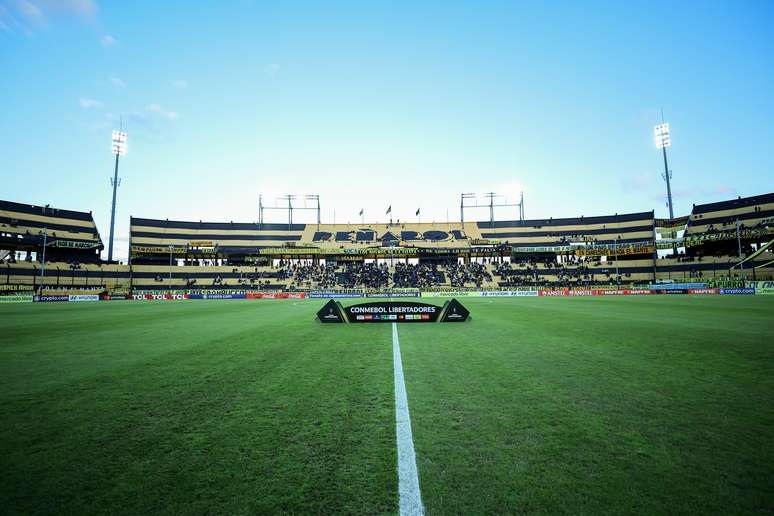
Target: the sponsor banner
(84, 297)
(392, 294)
(509, 293)
(601, 292)
(50, 299)
(525, 293)
(704, 291)
(327, 291)
(612, 292)
(453, 293)
(551, 293)
(677, 286)
(16, 299)
(114, 297)
(221, 296)
(584, 292)
(392, 311)
(156, 297)
(737, 291)
(627, 292)
(672, 291)
(334, 295)
(274, 295)
(766, 290)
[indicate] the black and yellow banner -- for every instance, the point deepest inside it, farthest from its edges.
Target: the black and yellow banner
(611, 251)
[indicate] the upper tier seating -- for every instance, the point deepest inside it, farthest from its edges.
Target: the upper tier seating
(719, 217)
(623, 228)
(149, 236)
(23, 225)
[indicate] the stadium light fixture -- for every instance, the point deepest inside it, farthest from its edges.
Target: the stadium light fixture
(663, 140)
(661, 136)
(118, 148)
(119, 143)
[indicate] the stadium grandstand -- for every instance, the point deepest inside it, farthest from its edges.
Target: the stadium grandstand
(65, 233)
(582, 252)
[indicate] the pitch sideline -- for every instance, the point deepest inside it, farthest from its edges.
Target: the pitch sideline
(410, 499)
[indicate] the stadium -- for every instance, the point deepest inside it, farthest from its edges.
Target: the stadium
(723, 244)
(202, 353)
(605, 349)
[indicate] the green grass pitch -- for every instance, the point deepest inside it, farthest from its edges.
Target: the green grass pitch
(657, 405)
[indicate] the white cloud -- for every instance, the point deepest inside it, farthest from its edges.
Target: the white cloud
(31, 12)
(272, 70)
(157, 109)
(118, 83)
(725, 190)
(87, 103)
(85, 8)
(29, 15)
(180, 84)
(108, 41)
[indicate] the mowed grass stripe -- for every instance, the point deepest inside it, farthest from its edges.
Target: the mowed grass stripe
(596, 406)
(194, 407)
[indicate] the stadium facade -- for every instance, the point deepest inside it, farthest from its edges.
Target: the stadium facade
(46, 249)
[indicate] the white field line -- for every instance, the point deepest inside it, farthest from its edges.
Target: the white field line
(408, 478)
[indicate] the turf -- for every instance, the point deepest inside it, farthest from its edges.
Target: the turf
(596, 406)
(589, 405)
(193, 408)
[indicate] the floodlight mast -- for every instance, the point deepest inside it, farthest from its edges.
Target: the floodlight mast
(663, 140)
(521, 206)
(119, 149)
(491, 205)
(289, 207)
(462, 204)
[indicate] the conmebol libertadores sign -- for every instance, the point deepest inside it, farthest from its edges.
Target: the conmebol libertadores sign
(392, 311)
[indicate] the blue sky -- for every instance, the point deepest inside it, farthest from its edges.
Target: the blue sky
(372, 104)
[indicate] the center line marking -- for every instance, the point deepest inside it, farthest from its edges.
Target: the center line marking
(410, 500)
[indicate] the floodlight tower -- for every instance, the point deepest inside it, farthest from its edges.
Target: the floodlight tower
(119, 149)
(462, 204)
(663, 140)
(491, 196)
(289, 198)
(521, 207)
